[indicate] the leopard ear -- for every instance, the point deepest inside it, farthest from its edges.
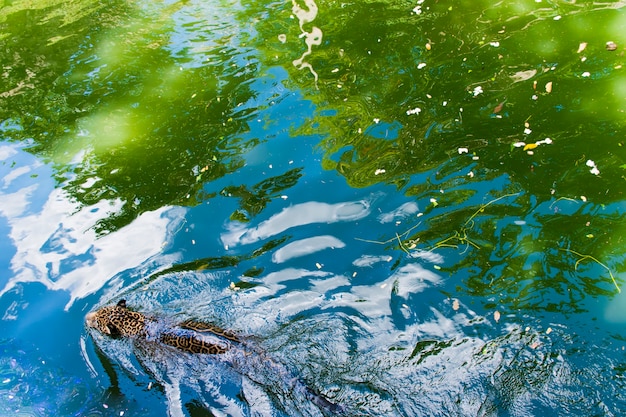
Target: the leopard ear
(122, 303)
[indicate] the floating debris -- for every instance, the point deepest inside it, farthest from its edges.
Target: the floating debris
(418, 9)
(594, 168)
(586, 74)
(416, 110)
(496, 316)
(463, 150)
(477, 90)
(549, 87)
(499, 107)
(581, 47)
(611, 46)
(530, 146)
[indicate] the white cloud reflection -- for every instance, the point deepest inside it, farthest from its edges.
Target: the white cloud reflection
(298, 215)
(306, 247)
(56, 245)
(374, 301)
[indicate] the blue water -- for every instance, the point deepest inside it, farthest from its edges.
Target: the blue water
(49, 351)
(447, 289)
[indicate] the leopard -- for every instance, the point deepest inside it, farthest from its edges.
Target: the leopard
(120, 321)
(190, 336)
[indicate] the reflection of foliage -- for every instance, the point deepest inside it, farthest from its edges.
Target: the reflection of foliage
(523, 264)
(585, 257)
(149, 129)
(370, 77)
(461, 236)
(433, 103)
(221, 262)
(254, 200)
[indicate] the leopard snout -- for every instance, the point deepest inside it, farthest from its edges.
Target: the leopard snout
(90, 319)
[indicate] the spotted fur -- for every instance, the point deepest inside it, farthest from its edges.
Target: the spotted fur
(119, 321)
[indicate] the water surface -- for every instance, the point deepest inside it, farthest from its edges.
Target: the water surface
(415, 207)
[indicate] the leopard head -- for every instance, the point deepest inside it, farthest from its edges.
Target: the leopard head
(117, 321)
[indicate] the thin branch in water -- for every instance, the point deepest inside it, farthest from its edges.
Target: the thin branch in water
(564, 198)
(583, 257)
(397, 237)
(482, 208)
(401, 245)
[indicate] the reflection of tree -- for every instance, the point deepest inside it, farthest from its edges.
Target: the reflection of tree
(398, 100)
(149, 129)
(520, 253)
(380, 61)
(254, 200)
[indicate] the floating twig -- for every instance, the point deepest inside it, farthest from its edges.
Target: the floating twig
(397, 237)
(583, 257)
(482, 208)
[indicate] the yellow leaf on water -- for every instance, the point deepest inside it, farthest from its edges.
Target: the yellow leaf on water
(530, 146)
(590, 235)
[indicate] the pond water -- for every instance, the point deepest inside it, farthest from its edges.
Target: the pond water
(414, 207)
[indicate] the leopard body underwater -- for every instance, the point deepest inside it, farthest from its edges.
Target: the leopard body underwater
(192, 337)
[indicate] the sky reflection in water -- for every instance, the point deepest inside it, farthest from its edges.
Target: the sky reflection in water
(362, 206)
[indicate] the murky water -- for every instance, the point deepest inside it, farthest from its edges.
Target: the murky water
(414, 208)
